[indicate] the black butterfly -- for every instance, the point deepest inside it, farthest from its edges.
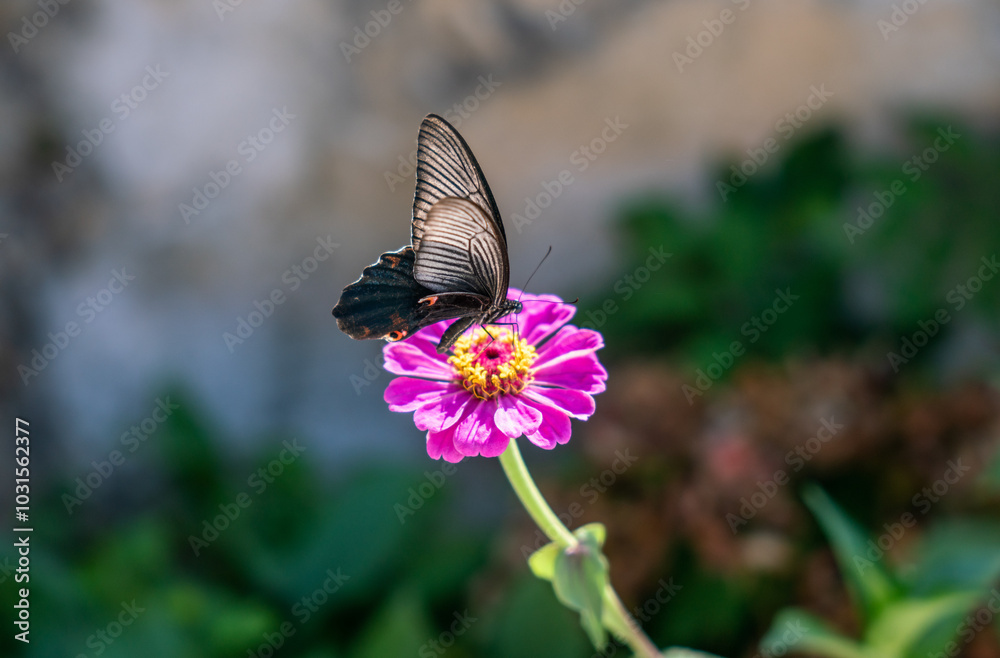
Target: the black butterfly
(456, 265)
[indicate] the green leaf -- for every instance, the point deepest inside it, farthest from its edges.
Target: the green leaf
(867, 578)
(795, 630)
(581, 575)
(593, 533)
(543, 561)
(918, 627)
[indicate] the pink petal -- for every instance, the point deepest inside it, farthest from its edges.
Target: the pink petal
(442, 444)
(515, 418)
(476, 433)
(554, 429)
(583, 373)
(574, 403)
(444, 412)
(408, 394)
(537, 321)
(569, 342)
(405, 358)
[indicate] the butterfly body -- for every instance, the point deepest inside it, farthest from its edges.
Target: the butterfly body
(456, 265)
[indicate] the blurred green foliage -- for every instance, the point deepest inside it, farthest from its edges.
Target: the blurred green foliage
(931, 610)
(785, 228)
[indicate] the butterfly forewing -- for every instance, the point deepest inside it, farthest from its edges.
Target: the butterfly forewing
(446, 167)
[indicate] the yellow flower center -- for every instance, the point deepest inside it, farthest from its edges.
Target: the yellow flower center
(487, 367)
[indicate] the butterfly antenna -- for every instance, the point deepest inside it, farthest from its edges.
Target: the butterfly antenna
(537, 267)
(548, 251)
(549, 301)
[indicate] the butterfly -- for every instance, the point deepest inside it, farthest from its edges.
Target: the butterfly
(456, 265)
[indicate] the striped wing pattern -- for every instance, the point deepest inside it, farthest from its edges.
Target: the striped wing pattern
(446, 167)
(462, 251)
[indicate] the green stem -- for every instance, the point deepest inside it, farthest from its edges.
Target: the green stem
(615, 617)
(531, 497)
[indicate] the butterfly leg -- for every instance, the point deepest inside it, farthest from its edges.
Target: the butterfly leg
(502, 324)
(492, 337)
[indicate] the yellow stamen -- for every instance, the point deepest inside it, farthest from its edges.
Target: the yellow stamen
(487, 367)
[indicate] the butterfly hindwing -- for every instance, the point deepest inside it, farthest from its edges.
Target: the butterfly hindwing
(448, 305)
(385, 301)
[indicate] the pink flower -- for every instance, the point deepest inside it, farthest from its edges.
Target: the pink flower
(475, 400)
